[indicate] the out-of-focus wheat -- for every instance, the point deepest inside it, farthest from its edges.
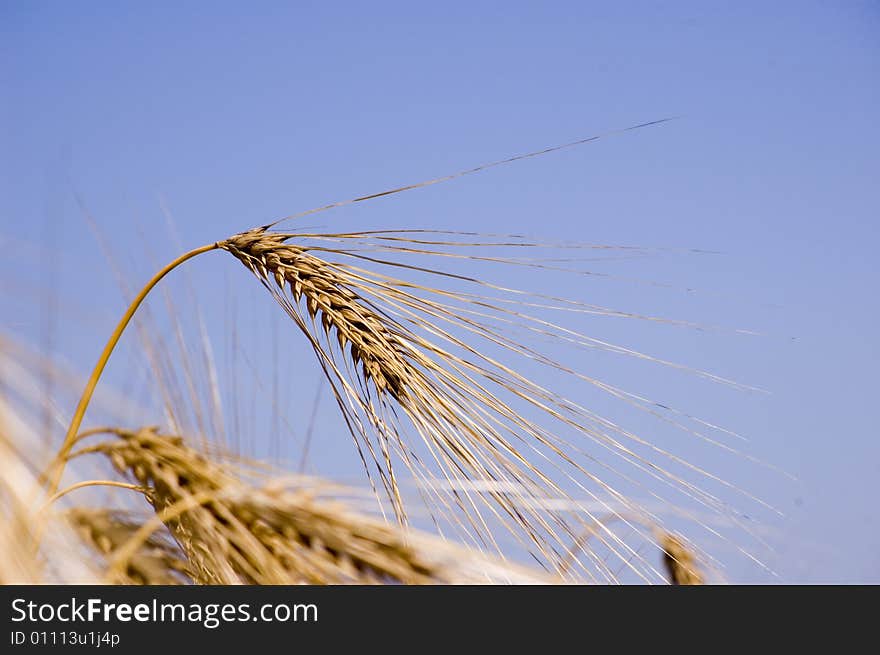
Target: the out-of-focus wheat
(679, 561)
(158, 561)
(57, 560)
(233, 530)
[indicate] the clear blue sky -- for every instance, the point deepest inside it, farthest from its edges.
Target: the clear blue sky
(232, 114)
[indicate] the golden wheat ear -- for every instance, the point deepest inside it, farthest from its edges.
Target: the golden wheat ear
(410, 370)
(403, 364)
(52, 476)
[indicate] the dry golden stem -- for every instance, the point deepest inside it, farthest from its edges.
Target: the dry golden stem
(89, 483)
(57, 466)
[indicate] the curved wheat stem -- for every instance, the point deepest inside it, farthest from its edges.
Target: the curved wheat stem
(88, 483)
(57, 467)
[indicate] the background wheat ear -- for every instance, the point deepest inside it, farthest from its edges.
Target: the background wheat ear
(233, 529)
(158, 561)
(679, 561)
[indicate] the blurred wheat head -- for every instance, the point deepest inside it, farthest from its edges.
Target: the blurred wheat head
(228, 526)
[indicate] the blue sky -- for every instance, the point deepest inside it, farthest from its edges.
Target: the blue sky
(225, 115)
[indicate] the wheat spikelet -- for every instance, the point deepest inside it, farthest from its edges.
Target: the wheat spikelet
(329, 299)
(234, 531)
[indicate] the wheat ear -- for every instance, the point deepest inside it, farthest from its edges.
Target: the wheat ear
(56, 469)
(680, 561)
(233, 530)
